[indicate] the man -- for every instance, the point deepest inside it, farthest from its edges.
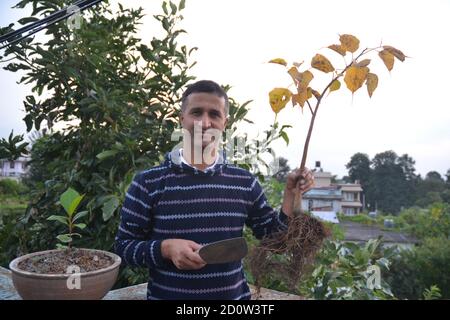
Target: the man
(194, 198)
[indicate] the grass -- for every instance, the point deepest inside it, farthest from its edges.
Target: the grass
(8, 202)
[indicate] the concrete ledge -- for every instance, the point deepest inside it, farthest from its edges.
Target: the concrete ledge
(137, 292)
(7, 290)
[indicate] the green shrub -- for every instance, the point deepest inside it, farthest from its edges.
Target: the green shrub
(358, 218)
(12, 187)
(412, 272)
(343, 271)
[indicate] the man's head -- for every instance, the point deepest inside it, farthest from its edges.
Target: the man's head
(204, 109)
(204, 86)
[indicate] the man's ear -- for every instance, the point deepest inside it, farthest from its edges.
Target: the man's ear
(181, 118)
(226, 121)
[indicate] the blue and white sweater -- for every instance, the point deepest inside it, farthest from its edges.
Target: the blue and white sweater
(175, 200)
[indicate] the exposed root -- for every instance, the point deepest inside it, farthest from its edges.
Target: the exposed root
(287, 254)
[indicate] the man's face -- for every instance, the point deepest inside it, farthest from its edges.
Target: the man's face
(204, 115)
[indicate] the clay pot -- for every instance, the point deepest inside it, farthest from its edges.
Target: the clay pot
(88, 286)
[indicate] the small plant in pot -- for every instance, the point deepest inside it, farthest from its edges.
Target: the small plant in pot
(66, 272)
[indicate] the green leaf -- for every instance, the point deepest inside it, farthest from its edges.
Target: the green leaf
(182, 5)
(106, 154)
(164, 7)
(75, 234)
(383, 262)
(64, 238)
(61, 219)
(80, 225)
(173, 7)
(70, 201)
(165, 24)
(109, 207)
(27, 20)
(80, 215)
(285, 137)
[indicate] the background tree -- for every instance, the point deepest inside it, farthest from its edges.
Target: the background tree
(389, 182)
(410, 185)
(430, 189)
(13, 148)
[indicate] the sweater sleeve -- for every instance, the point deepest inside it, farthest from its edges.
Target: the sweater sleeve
(132, 241)
(262, 218)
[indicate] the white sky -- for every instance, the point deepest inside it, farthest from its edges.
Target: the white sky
(408, 113)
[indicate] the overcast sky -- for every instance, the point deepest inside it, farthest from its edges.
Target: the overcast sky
(408, 113)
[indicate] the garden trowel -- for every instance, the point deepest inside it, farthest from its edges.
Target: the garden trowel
(224, 251)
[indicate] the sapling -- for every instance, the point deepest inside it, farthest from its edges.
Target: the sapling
(297, 247)
(69, 200)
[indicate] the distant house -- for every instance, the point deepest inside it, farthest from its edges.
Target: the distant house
(16, 169)
(351, 198)
(322, 199)
(326, 196)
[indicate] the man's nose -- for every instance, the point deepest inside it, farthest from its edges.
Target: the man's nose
(206, 121)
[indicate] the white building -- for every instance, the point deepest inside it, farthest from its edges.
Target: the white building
(326, 196)
(16, 169)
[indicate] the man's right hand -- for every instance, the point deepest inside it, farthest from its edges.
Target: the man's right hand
(183, 253)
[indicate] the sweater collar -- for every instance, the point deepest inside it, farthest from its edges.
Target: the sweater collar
(174, 161)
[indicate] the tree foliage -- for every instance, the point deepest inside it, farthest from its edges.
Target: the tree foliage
(390, 183)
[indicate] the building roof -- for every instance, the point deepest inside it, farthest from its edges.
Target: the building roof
(351, 187)
(323, 193)
(20, 159)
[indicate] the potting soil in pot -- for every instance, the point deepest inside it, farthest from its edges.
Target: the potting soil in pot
(58, 262)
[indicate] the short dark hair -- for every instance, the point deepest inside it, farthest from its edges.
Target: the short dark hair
(204, 86)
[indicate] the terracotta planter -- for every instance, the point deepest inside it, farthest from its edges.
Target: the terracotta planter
(38, 286)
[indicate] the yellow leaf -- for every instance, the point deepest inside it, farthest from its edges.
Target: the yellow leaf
(303, 78)
(302, 94)
(299, 99)
(321, 63)
(294, 99)
(397, 53)
(294, 73)
(335, 85)
(363, 63)
(309, 92)
(355, 77)
(279, 61)
(338, 48)
(306, 78)
(388, 59)
(372, 83)
(349, 43)
(278, 98)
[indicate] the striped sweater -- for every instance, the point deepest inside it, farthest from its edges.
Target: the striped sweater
(175, 200)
